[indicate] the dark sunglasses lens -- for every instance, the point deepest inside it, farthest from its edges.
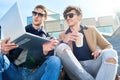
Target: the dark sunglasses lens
(68, 15)
(39, 14)
(71, 15)
(34, 13)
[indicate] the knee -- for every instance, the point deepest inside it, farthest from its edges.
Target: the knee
(54, 61)
(110, 56)
(111, 60)
(60, 48)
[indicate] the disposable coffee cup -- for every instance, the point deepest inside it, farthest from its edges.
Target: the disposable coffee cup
(79, 41)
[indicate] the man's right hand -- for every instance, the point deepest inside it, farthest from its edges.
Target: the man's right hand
(70, 37)
(49, 46)
(7, 46)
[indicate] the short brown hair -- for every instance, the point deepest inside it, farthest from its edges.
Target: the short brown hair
(69, 8)
(43, 8)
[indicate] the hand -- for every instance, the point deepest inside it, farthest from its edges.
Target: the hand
(49, 46)
(70, 37)
(96, 53)
(6, 47)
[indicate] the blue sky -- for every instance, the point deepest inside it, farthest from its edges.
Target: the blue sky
(90, 8)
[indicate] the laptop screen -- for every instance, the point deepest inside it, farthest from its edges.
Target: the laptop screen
(11, 23)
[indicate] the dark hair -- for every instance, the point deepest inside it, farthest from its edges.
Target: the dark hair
(69, 8)
(43, 8)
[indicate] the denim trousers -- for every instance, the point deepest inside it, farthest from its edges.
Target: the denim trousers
(95, 69)
(1, 66)
(4, 63)
(49, 70)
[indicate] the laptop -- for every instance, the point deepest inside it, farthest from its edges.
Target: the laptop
(12, 26)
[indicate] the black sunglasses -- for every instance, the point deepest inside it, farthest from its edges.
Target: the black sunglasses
(71, 15)
(36, 13)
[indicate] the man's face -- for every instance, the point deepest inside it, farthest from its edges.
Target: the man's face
(38, 16)
(72, 18)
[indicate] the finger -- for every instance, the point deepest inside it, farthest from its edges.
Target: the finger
(55, 44)
(5, 50)
(98, 53)
(74, 32)
(9, 46)
(54, 41)
(74, 35)
(95, 56)
(92, 53)
(6, 40)
(14, 46)
(73, 38)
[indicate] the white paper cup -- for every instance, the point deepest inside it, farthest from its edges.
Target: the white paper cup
(79, 41)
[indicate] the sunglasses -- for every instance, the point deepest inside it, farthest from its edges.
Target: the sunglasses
(71, 15)
(36, 13)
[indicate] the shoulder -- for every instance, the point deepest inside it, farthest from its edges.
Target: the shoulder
(28, 27)
(89, 28)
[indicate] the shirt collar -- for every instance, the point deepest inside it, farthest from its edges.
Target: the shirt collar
(42, 29)
(69, 30)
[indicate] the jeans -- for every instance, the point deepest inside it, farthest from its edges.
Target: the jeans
(49, 70)
(96, 69)
(1, 66)
(4, 64)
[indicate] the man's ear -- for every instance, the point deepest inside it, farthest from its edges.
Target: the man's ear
(45, 18)
(79, 17)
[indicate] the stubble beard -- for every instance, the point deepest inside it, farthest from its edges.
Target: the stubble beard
(37, 24)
